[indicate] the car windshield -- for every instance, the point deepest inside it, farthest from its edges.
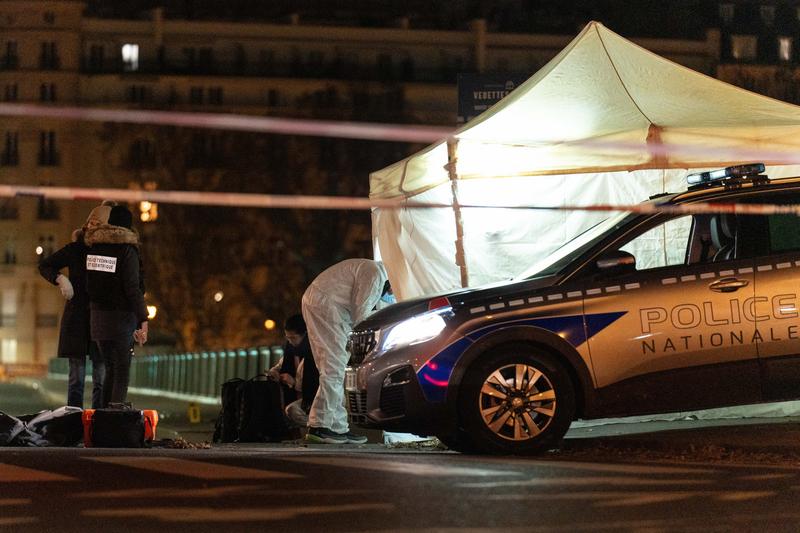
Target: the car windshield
(567, 252)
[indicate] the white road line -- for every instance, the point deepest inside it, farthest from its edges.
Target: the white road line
(17, 474)
(400, 467)
(206, 514)
(195, 469)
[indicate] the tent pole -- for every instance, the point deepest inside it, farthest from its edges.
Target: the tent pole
(461, 259)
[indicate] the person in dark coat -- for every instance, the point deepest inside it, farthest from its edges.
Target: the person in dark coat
(116, 301)
(74, 340)
(298, 362)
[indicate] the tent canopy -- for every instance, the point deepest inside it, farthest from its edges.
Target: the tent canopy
(603, 121)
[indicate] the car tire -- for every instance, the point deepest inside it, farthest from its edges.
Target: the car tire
(459, 442)
(516, 399)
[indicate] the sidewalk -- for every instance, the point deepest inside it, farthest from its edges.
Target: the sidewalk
(697, 435)
(692, 437)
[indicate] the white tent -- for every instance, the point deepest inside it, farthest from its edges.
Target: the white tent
(605, 121)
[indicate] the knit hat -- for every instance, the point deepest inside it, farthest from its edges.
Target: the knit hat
(120, 216)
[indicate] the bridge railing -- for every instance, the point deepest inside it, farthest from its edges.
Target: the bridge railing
(191, 375)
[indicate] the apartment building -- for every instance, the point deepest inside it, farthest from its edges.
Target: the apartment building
(51, 54)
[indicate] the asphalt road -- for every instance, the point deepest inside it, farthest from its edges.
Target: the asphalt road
(295, 487)
(299, 488)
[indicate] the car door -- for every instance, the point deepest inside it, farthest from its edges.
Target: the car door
(682, 330)
(777, 270)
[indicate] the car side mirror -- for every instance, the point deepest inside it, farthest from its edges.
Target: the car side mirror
(616, 260)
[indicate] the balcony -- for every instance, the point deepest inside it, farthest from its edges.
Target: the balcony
(337, 69)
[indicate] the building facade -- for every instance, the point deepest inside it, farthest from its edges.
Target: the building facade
(53, 54)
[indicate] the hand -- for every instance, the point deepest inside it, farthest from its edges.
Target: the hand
(287, 379)
(66, 287)
(140, 335)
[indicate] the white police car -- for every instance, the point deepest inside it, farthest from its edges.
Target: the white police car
(591, 332)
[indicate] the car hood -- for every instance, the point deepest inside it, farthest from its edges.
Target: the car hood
(459, 298)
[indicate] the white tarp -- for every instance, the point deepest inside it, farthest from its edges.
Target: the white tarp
(589, 127)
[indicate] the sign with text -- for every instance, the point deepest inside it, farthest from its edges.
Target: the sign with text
(479, 92)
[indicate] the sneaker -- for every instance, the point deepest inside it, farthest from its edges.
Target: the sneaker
(352, 438)
(325, 436)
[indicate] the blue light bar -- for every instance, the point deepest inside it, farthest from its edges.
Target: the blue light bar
(737, 171)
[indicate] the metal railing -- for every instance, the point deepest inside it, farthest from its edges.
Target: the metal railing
(195, 374)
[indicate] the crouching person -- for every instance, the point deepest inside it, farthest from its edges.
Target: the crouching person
(306, 375)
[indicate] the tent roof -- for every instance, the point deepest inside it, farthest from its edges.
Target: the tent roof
(605, 104)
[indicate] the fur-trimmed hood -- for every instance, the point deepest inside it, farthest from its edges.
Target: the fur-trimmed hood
(108, 234)
(77, 235)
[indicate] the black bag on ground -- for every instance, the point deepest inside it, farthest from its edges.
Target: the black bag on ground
(59, 427)
(118, 428)
(261, 417)
(227, 427)
(10, 428)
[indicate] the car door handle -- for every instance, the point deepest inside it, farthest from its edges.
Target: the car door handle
(728, 284)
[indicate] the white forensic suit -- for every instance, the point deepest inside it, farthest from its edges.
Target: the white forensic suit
(340, 297)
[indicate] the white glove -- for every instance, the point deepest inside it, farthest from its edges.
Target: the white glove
(66, 287)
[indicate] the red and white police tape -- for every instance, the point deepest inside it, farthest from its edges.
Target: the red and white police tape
(279, 201)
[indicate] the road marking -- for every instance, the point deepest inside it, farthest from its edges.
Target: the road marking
(618, 468)
(18, 520)
(742, 495)
(16, 474)
(220, 492)
(400, 467)
(195, 469)
(14, 501)
(218, 514)
(586, 480)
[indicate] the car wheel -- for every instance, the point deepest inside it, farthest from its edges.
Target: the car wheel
(516, 399)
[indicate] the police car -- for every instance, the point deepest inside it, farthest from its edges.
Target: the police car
(594, 331)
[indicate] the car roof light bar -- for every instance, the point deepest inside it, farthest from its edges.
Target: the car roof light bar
(736, 171)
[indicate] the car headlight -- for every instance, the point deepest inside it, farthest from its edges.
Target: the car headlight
(415, 330)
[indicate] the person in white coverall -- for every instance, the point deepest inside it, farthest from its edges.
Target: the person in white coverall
(339, 298)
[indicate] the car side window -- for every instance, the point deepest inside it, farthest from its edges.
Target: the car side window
(784, 233)
(664, 245)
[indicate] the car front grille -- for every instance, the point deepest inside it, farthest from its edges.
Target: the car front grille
(359, 345)
(393, 401)
(357, 407)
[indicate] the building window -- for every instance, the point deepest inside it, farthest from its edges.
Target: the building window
(47, 92)
(48, 155)
(195, 95)
(744, 47)
(49, 59)
(49, 17)
(767, 14)
(11, 93)
(785, 48)
(10, 256)
(11, 59)
(130, 57)
(8, 347)
(46, 321)
(47, 210)
(726, 13)
(205, 59)
(273, 98)
(139, 94)
(215, 95)
(142, 154)
(10, 156)
(96, 56)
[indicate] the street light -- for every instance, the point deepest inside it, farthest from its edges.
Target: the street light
(218, 296)
(269, 324)
(152, 311)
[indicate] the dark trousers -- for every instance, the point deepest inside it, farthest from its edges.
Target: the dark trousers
(116, 354)
(77, 380)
